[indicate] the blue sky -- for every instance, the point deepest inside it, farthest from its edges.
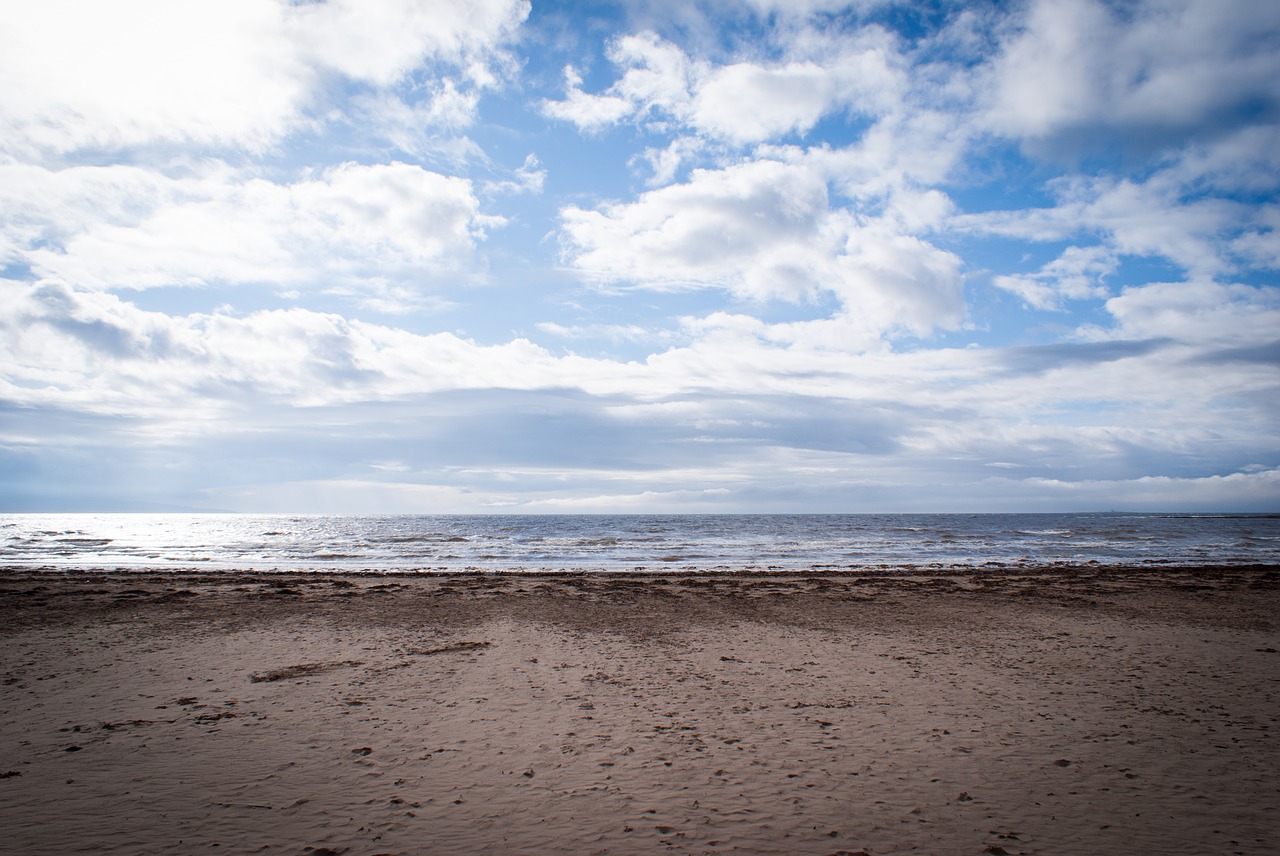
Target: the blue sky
(494, 256)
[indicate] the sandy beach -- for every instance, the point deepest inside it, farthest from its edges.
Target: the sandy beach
(1065, 711)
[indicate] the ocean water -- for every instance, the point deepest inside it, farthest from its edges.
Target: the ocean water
(607, 543)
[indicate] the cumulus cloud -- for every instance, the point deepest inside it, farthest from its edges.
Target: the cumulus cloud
(1198, 312)
(238, 74)
(1158, 70)
(349, 225)
(766, 227)
(589, 112)
(1166, 215)
(735, 228)
(657, 79)
(432, 127)
(62, 343)
(381, 41)
(766, 230)
(661, 85)
(92, 75)
(1077, 274)
(791, 97)
(65, 345)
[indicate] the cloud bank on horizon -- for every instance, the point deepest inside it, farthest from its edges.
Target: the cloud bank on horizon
(650, 256)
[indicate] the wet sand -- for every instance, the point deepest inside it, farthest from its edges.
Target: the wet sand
(1066, 711)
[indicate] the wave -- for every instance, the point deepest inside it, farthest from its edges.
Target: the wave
(591, 543)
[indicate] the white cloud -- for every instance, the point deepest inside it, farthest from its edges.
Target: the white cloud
(741, 228)
(380, 41)
(43, 207)
(661, 85)
(349, 226)
(649, 501)
(901, 157)
(431, 128)
(806, 8)
(1235, 490)
(1043, 79)
(782, 99)
(1158, 66)
(1259, 245)
(607, 332)
(1198, 311)
(228, 74)
(1152, 219)
(765, 230)
(1247, 160)
(665, 162)
(338, 496)
(62, 346)
(589, 112)
(105, 75)
(1164, 216)
(527, 178)
(658, 74)
(1077, 274)
(656, 81)
(1192, 81)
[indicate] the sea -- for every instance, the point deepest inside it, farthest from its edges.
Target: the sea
(432, 544)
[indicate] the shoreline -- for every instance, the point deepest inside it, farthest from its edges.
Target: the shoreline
(991, 570)
(1228, 594)
(1056, 711)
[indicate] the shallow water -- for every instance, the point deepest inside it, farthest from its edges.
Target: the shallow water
(445, 543)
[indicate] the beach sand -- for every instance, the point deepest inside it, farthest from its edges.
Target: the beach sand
(1099, 711)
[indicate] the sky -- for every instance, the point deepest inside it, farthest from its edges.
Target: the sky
(685, 256)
